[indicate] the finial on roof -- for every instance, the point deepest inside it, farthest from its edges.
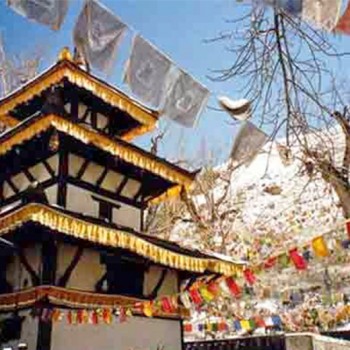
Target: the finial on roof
(65, 55)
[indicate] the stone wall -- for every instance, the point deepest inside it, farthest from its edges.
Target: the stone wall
(315, 342)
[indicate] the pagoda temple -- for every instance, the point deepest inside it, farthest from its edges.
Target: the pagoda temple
(74, 190)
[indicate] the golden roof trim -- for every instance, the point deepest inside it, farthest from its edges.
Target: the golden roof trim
(75, 75)
(111, 237)
(115, 147)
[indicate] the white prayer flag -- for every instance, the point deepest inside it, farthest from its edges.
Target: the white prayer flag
(247, 143)
(48, 12)
(147, 71)
(322, 13)
(185, 99)
(3, 70)
(97, 34)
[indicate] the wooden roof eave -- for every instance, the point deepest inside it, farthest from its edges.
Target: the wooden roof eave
(72, 298)
(129, 153)
(66, 69)
(75, 227)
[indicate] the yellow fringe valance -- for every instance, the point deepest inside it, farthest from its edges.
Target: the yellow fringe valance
(77, 228)
(128, 153)
(75, 299)
(68, 70)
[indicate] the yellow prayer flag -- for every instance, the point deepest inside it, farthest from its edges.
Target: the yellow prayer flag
(147, 309)
(319, 247)
(245, 324)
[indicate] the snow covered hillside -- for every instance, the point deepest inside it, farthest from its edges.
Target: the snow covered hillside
(279, 203)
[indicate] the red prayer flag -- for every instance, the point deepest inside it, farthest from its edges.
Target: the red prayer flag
(343, 26)
(233, 286)
(166, 305)
(80, 316)
(298, 260)
(259, 321)
(249, 276)
(270, 262)
(213, 288)
(195, 296)
(94, 317)
(188, 327)
(348, 228)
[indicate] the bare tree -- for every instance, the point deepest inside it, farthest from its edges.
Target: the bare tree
(287, 68)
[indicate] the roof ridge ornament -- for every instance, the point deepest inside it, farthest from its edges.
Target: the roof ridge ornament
(65, 54)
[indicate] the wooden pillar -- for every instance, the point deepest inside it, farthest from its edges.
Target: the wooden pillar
(48, 277)
(62, 174)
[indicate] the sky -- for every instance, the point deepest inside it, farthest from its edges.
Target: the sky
(179, 28)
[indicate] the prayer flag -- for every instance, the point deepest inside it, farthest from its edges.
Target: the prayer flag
(322, 13)
(214, 326)
(283, 260)
(214, 288)
(188, 327)
(56, 316)
(107, 316)
(276, 320)
(147, 71)
(270, 262)
(97, 34)
(185, 299)
(223, 287)
(249, 276)
(148, 309)
(319, 247)
(48, 12)
(247, 143)
(185, 99)
(347, 225)
(222, 326)
(195, 296)
(233, 286)
(343, 24)
(237, 325)
(259, 322)
(269, 322)
(293, 7)
(206, 295)
(298, 260)
(166, 305)
(245, 325)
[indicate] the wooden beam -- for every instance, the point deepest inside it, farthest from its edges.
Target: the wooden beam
(98, 190)
(23, 260)
(29, 176)
(102, 176)
(74, 262)
(19, 195)
(158, 285)
(48, 168)
(12, 185)
(62, 176)
(83, 168)
(122, 185)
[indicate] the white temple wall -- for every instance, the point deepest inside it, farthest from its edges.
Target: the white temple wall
(137, 333)
(170, 283)
(80, 200)
(38, 172)
(29, 332)
(88, 270)
(17, 275)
